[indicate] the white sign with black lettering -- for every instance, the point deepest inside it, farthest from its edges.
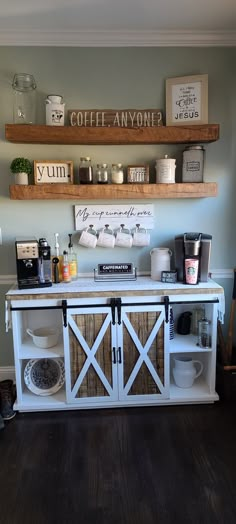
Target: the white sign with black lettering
(53, 172)
(114, 216)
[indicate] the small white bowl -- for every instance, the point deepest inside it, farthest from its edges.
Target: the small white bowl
(44, 337)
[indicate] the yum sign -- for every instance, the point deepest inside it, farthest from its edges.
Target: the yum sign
(53, 172)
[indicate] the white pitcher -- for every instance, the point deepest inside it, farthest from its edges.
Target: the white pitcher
(160, 261)
(184, 371)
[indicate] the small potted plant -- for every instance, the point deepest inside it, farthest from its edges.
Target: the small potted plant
(21, 168)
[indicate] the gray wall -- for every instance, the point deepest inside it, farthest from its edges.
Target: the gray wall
(120, 78)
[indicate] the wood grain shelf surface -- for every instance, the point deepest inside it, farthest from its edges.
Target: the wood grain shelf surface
(41, 134)
(112, 191)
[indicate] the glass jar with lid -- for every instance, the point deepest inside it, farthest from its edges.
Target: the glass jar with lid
(85, 170)
(102, 174)
(117, 174)
(24, 104)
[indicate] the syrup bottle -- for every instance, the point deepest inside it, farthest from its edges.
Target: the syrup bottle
(57, 255)
(66, 268)
(72, 258)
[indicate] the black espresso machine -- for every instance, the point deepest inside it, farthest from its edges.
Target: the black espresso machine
(196, 245)
(33, 263)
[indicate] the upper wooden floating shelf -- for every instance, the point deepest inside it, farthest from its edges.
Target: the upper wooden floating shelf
(35, 134)
(112, 191)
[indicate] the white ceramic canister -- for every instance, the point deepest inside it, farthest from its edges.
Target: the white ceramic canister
(160, 261)
(165, 170)
(55, 110)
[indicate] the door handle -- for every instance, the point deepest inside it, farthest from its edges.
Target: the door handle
(119, 355)
(114, 355)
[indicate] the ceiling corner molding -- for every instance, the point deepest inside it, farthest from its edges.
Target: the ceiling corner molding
(116, 38)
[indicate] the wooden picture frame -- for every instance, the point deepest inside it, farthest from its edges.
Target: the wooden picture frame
(187, 100)
(53, 172)
(138, 174)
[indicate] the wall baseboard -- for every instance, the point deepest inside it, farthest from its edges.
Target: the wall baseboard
(7, 372)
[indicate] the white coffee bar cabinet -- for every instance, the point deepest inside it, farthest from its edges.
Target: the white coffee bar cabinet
(114, 347)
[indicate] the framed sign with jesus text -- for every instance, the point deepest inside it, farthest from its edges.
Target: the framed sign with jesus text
(187, 100)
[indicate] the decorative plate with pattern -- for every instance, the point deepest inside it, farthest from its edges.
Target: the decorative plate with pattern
(44, 376)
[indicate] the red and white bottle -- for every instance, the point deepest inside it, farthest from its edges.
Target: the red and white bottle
(66, 276)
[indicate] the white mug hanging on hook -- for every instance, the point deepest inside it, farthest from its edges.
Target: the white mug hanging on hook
(55, 110)
(123, 237)
(106, 237)
(88, 237)
(140, 237)
(160, 261)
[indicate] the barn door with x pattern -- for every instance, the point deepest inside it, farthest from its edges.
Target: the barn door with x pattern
(142, 341)
(91, 356)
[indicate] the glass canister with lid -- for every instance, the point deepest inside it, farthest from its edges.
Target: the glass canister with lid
(102, 174)
(117, 174)
(193, 164)
(24, 104)
(85, 170)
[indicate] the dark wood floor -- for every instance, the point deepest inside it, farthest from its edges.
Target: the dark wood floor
(171, 465)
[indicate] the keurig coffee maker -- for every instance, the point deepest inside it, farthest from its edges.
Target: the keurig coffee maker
(192, 257)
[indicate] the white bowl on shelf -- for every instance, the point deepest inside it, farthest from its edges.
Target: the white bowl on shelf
(44, 337)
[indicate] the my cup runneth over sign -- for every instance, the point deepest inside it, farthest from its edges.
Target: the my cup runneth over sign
(130, 118)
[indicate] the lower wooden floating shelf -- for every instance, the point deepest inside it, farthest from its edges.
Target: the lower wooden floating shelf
(112, 191)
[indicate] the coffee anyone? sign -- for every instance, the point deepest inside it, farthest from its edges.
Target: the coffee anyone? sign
(130, 118)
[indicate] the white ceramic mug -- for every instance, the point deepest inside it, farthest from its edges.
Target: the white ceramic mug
(105, 239)
(87, 239)
(123, 239)
(141, 238)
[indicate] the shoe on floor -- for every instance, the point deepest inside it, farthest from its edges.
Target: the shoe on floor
(1, 422)
(6, 399)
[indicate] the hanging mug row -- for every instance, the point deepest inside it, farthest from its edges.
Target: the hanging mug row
(107, 237)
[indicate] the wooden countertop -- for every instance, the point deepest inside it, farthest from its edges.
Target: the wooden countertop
(87, 287)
